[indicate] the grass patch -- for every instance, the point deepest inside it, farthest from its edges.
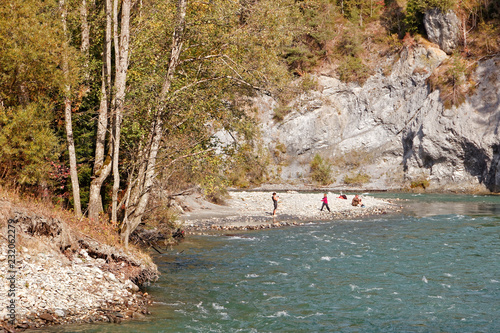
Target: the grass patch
(358, 179)
(353, 160)
(281, 112)
(422, 183)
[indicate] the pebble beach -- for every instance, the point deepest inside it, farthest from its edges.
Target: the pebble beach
(48, 288)
(247, 210)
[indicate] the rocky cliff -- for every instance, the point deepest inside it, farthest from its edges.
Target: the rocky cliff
(393, 128)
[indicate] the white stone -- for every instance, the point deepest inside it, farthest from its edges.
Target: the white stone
(59, 313)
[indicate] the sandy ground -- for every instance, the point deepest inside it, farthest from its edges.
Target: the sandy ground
(249, 210)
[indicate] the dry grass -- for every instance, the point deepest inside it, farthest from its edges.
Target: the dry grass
(101, 231)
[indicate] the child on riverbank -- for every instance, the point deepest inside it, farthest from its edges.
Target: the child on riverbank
(325, 203)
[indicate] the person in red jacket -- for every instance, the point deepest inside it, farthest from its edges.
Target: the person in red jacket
(325, 203)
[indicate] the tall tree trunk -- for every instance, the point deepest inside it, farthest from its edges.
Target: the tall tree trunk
(67, 116)
(120, 85)
(85, 44)
(102, 169)
(135, 208)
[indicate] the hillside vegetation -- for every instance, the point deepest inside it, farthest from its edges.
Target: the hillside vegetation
(107, 107)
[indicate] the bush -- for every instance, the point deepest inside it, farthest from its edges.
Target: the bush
(420, 183)
(321, 170)
(249, 166)
(352, 69)
(359, 179)
(27, 144)
(453, 79)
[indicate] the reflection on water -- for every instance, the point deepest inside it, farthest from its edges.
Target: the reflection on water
(422, 205)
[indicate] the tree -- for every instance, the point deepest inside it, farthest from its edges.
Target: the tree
(30, 84)
(67, 112)
(104, 166)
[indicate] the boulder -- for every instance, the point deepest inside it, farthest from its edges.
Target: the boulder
(443, 28)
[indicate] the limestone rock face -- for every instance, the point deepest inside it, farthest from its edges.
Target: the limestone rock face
(442, 28)
(393, 128)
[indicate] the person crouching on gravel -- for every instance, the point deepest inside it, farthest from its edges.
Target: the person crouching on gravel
(356, 201)
(325, 203)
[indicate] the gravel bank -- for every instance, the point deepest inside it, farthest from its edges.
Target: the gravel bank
(253, 210)
(48, 289)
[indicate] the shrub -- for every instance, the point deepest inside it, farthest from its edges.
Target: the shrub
(352, 69)
(420, 183)
(358, 179)
(249, 166)
(280, 113)
(453, 79)
(27, 144)
(300, 59)
(321, 170)
(308, 83)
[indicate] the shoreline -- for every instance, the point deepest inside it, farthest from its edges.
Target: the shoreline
(252, 210)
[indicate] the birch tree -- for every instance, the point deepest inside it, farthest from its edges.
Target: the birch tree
(104, 165)
(67, 113)
(138, 196)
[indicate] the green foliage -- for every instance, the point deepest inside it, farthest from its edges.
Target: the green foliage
(31, 42)
(313, 29)
(321, 170)
(357, 179)
(361, 11)
(300, 58)
(308, 83)
(27, 144)
(249, 167)
(352, 69)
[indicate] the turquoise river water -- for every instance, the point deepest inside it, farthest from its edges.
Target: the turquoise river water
(433, 268)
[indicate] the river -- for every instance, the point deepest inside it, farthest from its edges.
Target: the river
(432, 268)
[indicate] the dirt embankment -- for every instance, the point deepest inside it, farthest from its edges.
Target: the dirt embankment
(53, 274)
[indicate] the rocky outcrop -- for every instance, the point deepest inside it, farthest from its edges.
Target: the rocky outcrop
(393, 128)
(443, 28)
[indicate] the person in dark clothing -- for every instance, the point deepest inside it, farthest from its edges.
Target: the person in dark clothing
(178, 234)
(325, 203)
(275, 202)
